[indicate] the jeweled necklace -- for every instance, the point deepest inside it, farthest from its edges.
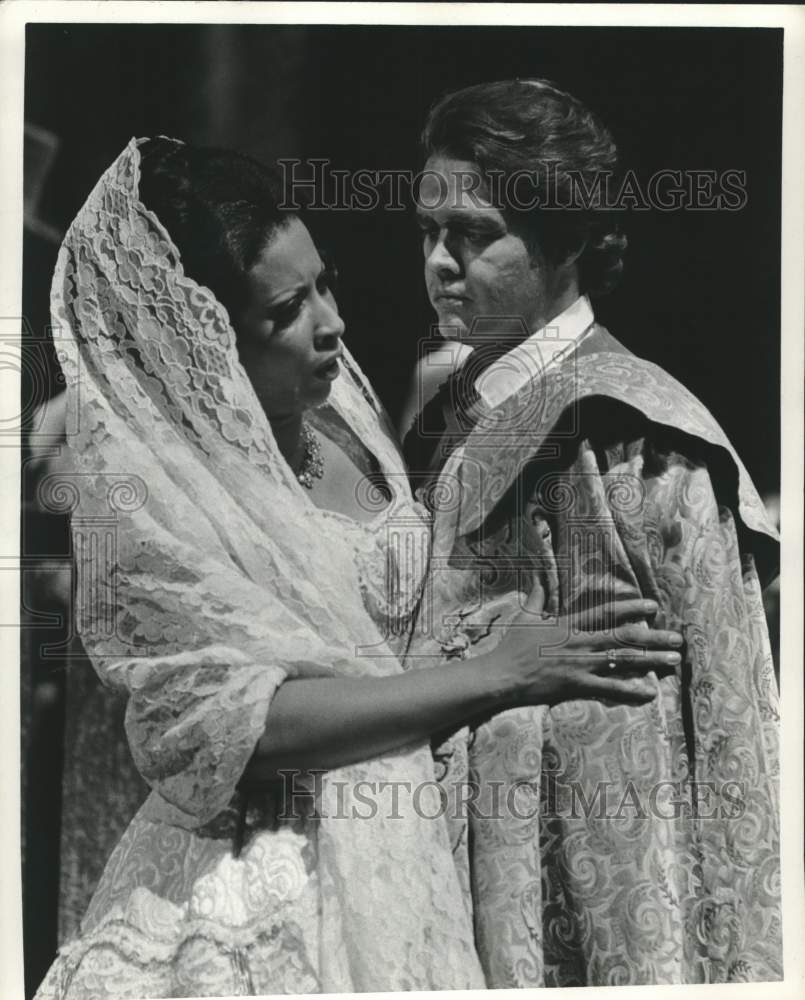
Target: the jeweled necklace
(312, 466)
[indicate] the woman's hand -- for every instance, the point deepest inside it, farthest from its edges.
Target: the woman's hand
(547, 660)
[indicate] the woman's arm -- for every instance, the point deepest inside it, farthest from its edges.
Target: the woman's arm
(330, 722)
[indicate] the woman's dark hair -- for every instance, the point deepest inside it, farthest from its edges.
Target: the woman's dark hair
(220, 208)
(529, 129)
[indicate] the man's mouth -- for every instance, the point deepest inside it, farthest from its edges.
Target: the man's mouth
(449, 299)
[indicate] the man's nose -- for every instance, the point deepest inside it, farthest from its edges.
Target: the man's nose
(442, 259)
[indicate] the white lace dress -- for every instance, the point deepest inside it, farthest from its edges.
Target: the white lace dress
(177, 913)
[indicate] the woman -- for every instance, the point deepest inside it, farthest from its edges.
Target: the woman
(237, 578)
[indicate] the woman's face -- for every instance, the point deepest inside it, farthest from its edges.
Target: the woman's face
(289, 334)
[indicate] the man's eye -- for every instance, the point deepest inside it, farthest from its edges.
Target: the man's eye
(327, 280)
(474, 234)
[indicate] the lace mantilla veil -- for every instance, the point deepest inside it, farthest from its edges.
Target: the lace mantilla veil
(206, 576)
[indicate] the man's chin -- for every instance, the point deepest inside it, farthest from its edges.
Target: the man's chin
(452, 324)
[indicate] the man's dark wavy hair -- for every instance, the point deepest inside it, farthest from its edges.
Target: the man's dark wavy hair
(513, 126)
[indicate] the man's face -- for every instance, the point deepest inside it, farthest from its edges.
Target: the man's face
(475, 266)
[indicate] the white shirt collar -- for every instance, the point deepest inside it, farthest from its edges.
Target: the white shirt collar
(533, 356)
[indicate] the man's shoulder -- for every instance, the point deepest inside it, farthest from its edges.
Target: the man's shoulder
(607, 398)
(600, 340)
(620, 399)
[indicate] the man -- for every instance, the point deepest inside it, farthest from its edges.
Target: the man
(600, 844)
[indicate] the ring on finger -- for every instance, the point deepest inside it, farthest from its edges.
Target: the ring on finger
(612, 659)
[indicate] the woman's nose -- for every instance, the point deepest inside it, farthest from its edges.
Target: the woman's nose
(329, 325)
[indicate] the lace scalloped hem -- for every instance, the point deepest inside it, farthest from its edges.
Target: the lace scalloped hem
(122, 964)
(153, 948)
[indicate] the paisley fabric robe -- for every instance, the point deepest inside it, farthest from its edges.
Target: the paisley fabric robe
(602, 844)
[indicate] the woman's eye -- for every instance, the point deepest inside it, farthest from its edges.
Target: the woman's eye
(286, 313)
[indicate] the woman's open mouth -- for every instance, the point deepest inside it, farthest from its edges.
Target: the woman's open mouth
(329, 371)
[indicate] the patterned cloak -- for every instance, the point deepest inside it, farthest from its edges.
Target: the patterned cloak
(604, 844)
